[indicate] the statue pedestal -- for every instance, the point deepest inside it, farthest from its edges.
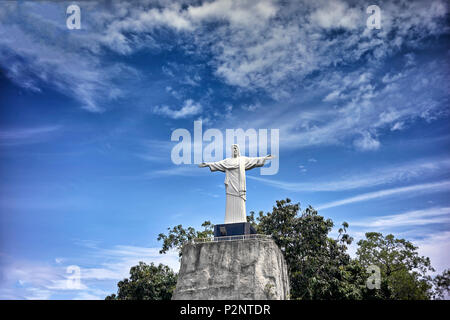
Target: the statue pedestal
(233, 229)
(250, 269)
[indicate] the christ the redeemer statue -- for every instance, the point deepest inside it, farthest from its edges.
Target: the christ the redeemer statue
(235, 188)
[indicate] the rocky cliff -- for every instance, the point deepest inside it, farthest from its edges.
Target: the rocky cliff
(252, 269)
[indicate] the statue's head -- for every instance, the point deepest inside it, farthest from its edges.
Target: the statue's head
(235, 151)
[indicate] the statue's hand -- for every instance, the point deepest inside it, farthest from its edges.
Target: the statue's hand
(268, 157)
(202, 165)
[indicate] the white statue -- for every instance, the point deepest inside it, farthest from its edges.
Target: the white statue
(235, 188)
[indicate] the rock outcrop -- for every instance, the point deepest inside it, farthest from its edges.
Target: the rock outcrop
(251, 269)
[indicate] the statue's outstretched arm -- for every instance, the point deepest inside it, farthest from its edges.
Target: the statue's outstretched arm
(253, 162)
(214, 166)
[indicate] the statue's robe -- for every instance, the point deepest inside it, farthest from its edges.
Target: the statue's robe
(235, 186)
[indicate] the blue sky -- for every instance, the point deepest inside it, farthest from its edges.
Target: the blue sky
(86, 118)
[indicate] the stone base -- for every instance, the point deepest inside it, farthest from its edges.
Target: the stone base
(252, 269)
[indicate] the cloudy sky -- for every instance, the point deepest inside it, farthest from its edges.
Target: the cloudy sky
(86, 116)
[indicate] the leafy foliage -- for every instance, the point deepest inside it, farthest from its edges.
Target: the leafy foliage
(178, 236)
(403, 272)
(146, 282)
(319, 266)
(442, 285)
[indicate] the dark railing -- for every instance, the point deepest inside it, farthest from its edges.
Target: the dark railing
(242, 237)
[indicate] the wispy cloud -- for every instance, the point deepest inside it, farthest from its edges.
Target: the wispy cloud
(115, 262)
(436, 246)
(250, 44)
(36, 280)
(379, 176)
(253, 45)
(367, 142)
(30, 280)
(189, 108)
(155, 150)
(425, 187)
(19, 136)
(266, 44)
(410, 218)
(35, 57)
(180, 170)
(366, 109)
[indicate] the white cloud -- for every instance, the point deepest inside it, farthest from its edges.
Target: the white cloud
(98, 295)
(37, 294)
(32, 56)
(436, 246)
(189, 108)
(19, 136)
(179, 170)
(118, 260)
(367, 142)
(336, 14)
(237, 12)
(250, 107)
(65, 284)
(44, 281)
(398, 126)
(332, 96)
(401, 173)
(425, 187)
(410, 218)
(282, 49)
(364, 111)
(269, 55)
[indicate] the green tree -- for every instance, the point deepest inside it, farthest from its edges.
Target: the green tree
(319, 266)
(178, 236)
(147, 282)
(404, 274)
(442, 285)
